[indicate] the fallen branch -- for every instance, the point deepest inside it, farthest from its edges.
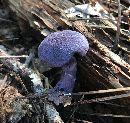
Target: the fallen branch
(35, 81)
(19, 68)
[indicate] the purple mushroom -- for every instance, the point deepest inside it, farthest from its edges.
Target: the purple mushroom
(58, 49)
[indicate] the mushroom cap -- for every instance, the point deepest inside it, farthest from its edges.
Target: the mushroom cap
(59, 47)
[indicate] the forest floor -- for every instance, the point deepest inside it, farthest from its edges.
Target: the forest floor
(19, 42)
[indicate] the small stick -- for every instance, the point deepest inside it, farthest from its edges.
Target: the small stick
(31, 56)
(100, 91)
(129, 22)
(81, 93)
(83, 1)
(109, 7)
(102, 99)
(98, 26)
(92, 18)
(9, 39)
(6, 20)
(22, 56)
(108, 115)
(118, 27)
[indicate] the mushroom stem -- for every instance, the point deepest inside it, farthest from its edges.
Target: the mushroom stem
(65, 85)
(68, 77)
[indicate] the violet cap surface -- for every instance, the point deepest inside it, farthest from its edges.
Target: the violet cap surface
(59, 47)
